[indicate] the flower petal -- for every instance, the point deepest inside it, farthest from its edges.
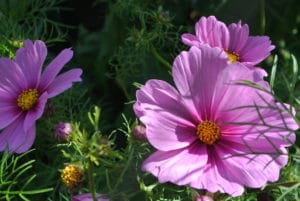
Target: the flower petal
(256, 49)
(190, 40)
(138, 109)
(264, 130)
(231, 99)
(215, 177)
(9, 114)
(13, 138)
(35, 113)
(196, 165)
(12, 78)
(63, 82)
(212, 32)
(249, 168)
(169, 124)
(8, 107)
(31, 58)
(195, 74)
(204, 198)
(54, 68)
(88, 197)
(238, 36)
(181, 166)
(253, 111)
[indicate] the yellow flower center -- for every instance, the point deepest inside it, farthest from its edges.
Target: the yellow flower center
(208, 132)
(232, 56)
(71, 176)
(27, 99)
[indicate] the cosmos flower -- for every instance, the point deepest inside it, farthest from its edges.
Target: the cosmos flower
(234, 40)
(212, 131)
(25, 89)
(87, 197)
(62, 131)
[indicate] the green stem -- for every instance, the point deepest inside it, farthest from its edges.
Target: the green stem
(121, 177)
(160, 58)
(90, 171)
(262, 16)
(123, 88)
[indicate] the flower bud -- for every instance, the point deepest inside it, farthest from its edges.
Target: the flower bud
(62, 131)
(204, 198)
(139, 132)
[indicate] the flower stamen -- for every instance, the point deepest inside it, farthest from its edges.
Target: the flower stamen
(27, 99)
(232, 56)
(71, 176)
(208, 132)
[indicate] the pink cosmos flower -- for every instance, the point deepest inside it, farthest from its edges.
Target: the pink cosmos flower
(234, 40)
(87, 197)
(25, 89)
(211, 131)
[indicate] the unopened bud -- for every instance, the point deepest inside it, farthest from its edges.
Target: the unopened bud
(139, 132)
(62, 131)
(204, 198)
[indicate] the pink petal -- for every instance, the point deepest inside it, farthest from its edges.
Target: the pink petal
(190, 40)
(29, 139)
(87, 197)
(252, 111)
(63, 82)
(260, 73)
(182, 166)
(249, 168)
(213, 181)
(138, 109)
(31, 58)
(256, 49)
(9, 114)
(35, 113)
(169, 125)
(13, 138)
(215, 177)
(212, 32)
(195, 75)
(269, 143)
(12, 78)
(227, 90)
(8, 96)
(238, 36)
(273, 129)
(54, 68)
(204, 198)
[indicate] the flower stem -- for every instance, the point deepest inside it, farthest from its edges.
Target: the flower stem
(125, 168)
(262, 16)
(90, 171)
(160, 58)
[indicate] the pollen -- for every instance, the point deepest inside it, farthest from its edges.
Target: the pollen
(71, 176)
(208, 132)
(232, 56)
(27, 99)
